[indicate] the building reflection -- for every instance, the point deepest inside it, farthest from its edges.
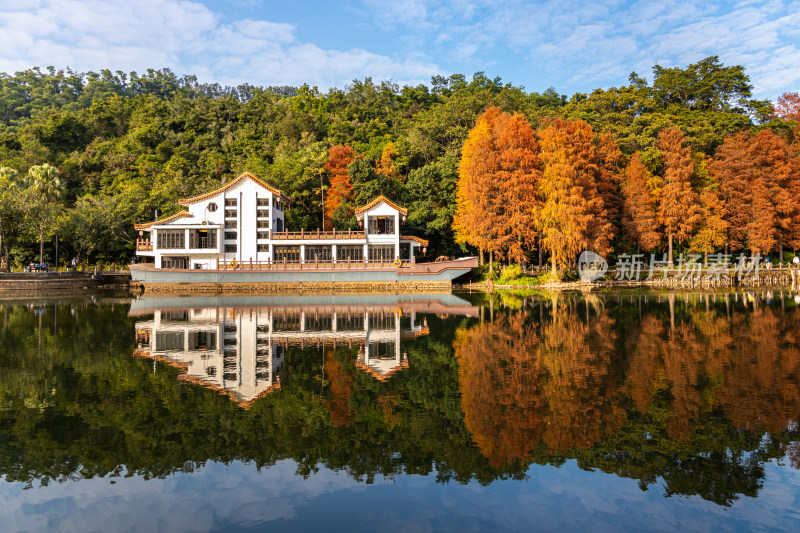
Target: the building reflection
(239, 350)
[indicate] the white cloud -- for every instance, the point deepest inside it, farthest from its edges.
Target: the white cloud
(591, 44)
(186, 37)
(570, 44)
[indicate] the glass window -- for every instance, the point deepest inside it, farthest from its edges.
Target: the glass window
(231, 202)
(203, 238)
(405, 250)
(212, 207)
(290, 253)
(230, 213)
(350, 252)
(262, 247)
(262, 235)
(262, 213)
(262, 202)
(230, 248)
(381, 225)
(318, 253)
(171, 315)
(202, 340)
(262, 224)
(381, 252)
(230, 235)
(174, 262)
(171, 238)
(169, 341)
(231, 224)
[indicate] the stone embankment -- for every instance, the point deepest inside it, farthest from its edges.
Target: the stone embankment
(46, 281)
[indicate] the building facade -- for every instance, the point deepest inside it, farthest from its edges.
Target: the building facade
(244, 222)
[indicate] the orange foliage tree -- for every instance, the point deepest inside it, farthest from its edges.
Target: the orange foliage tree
(714, 229)
(788, 106)
(573, 215)
(731, 169)
(386, 166)
(341, 188)
(678, 210)
(759, 179)
(496, 189)
(775, 186)
(639, 210)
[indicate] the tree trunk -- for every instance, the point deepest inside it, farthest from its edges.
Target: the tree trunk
(670, 248)
(480, 253)
(540, 254)
(555, 270)
(491, 262)
(41, 245)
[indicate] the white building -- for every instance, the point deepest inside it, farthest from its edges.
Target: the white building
(243, 222)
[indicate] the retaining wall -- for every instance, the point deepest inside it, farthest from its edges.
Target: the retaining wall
(306, 287)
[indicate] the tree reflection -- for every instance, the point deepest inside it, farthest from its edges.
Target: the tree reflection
(691, 392)
(688, 381)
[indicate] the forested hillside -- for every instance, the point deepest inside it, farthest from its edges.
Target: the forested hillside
(89, 154)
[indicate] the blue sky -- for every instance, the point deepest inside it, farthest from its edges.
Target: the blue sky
(573, 46)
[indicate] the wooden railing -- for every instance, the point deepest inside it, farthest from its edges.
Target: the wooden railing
(311, 265)
(314, 235)
(144, 245)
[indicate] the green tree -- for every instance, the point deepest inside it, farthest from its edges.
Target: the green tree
(45, 190)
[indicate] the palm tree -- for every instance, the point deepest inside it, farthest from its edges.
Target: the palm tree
(44, 180)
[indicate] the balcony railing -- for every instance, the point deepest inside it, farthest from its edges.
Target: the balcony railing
(144, 245)
(317, 235)
(311, 264)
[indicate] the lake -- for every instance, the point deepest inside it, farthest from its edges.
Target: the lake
(610, 411)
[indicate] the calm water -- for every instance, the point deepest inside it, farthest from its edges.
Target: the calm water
(617, 411)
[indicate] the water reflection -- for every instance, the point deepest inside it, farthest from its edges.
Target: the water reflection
(239, 350)
(696, 390)
(695, 393)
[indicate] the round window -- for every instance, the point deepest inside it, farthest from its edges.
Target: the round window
(212, 207)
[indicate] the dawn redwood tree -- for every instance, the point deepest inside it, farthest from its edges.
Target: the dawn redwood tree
(713, 232)
(732, 170)
(496, 190)
(639, 210)
(341, 188)
(678, 210)
(610, 165)
(775, 189)
(519, 171)
(572, 216)
(759, 180)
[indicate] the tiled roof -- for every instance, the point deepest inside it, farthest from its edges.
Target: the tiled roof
(423, 242)
(179, 214)
(242, 177)
(378, 200)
